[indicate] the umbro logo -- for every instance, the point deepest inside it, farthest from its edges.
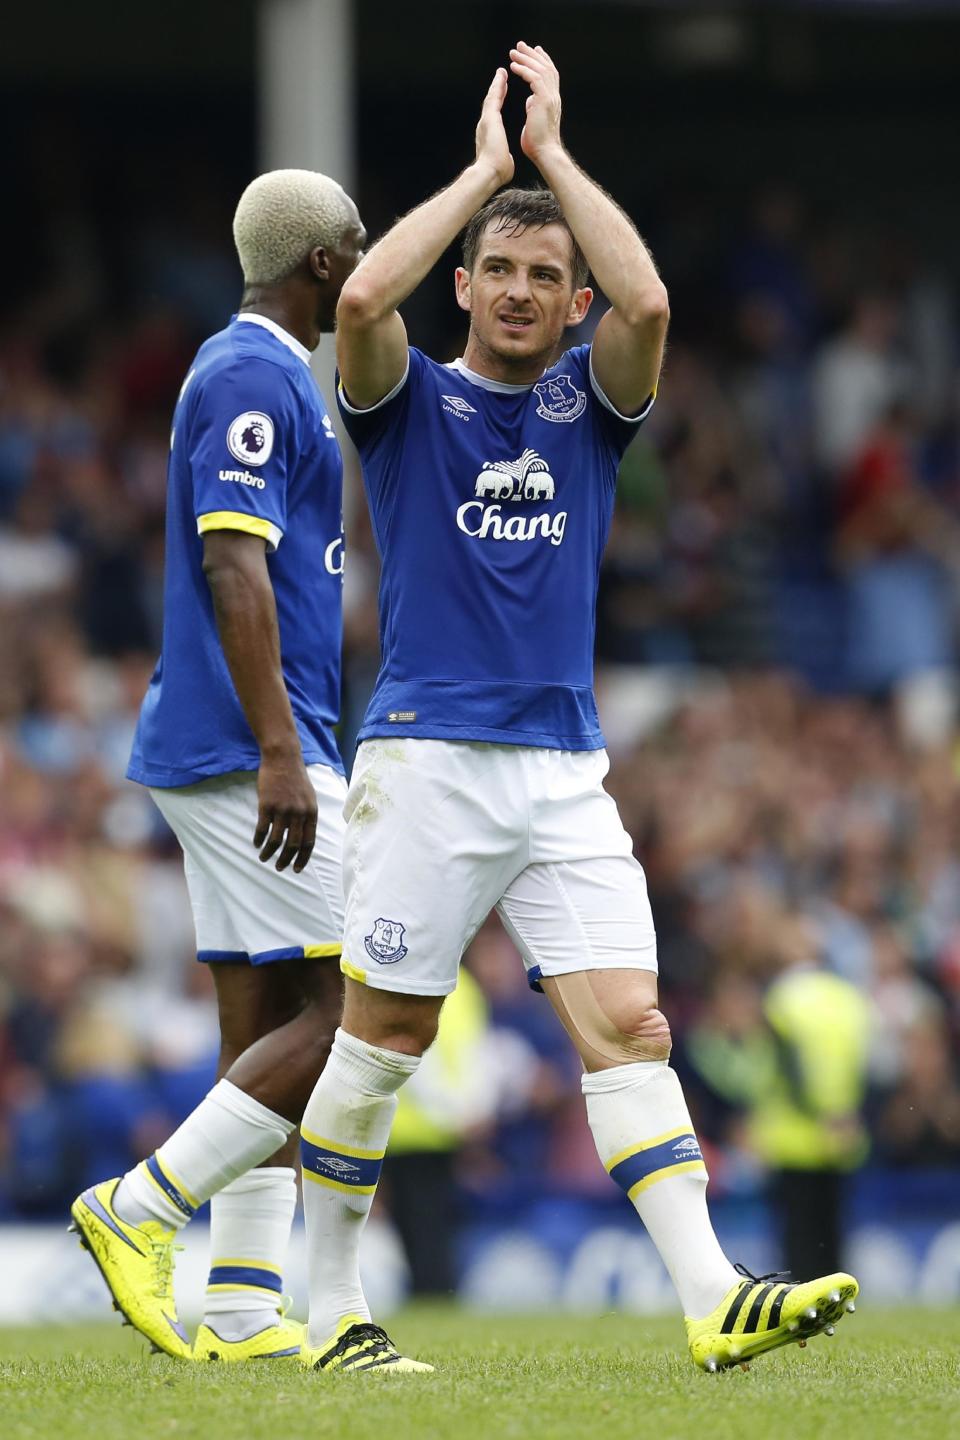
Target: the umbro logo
(458, 407)
(341, 1168)
(688, 1146)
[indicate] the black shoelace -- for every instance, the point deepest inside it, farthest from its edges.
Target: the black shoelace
(780, 1275)
(358, 1335)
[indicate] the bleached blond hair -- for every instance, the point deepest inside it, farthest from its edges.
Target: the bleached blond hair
(282, 216)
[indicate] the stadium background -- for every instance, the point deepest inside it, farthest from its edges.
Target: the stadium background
(777, 646)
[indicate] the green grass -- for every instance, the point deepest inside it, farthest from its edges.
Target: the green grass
(886, 1373)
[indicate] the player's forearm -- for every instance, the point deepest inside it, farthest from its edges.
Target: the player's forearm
(620, 262)
(246, 615)
(406, 254)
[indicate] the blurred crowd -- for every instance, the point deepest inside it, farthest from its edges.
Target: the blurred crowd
(777, 664)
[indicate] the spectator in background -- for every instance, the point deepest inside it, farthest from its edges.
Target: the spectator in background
(730, 1056)
(768, 263)
(808, 1127)
(919, 1125)
(857, 376)
(894, 544)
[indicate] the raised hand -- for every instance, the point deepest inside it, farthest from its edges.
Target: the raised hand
(492, 147)
(541, 133)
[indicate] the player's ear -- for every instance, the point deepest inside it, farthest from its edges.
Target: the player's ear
(579, 305)
(462, 282)
(319, 263)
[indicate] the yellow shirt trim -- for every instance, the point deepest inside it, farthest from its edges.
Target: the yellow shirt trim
(235, 520)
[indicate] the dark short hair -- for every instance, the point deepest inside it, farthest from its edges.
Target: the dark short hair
(514, 211)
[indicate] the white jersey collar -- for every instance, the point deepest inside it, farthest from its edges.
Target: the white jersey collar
(500, 386)
(284, 336)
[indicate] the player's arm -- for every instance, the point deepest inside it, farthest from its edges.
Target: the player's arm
(235, 565)
(627, 349)
(371, 337)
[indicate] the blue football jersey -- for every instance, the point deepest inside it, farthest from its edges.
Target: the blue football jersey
(252, 449)
(491, 505)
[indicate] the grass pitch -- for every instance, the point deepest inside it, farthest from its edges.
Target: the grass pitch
(886, 1373)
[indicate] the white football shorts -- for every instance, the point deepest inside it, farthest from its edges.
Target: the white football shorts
(441, 832)
(243, 909)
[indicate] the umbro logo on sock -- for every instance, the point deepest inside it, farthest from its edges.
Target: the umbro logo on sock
(337, 1166)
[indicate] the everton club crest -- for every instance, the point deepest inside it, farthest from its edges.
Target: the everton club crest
(559, 399)
(385, 943)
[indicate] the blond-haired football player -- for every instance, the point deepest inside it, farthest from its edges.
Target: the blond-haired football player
(236, 744)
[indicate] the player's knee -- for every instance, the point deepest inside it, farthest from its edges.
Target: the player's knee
(252, 1002)
(409, 1035)
(613, 1016)
(405, 1023)
(641, 1030)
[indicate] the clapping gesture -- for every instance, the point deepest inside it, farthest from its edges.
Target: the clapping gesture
(493, 148)
(541, 133)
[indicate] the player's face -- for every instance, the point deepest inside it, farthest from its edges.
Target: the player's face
(520, 293)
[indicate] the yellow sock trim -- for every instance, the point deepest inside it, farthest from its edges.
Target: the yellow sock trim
(647, 1145)
(336, 1184)
(687, 1168)
(351, 1150)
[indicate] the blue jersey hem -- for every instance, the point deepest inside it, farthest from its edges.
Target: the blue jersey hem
(383, 729)
(163, 777)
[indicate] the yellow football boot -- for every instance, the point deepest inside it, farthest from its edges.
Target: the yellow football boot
(760, 1315)
(137, 1263)
(279, 1341)
(355, 1345)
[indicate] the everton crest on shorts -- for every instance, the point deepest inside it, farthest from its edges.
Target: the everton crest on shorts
(491, 507)
(385, 942)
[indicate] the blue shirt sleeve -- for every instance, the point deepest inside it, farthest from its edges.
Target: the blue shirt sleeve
(368, 428)
(618, 430)
(244, 433)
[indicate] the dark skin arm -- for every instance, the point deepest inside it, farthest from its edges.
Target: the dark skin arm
(235, 565)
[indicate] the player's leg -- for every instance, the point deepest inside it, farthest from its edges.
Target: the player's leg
(277, 1025)
(585, 914)
(427, 847)
(641, 1124)
(583, 924)
(243, 912)
(346, 1127)
(646, 1142)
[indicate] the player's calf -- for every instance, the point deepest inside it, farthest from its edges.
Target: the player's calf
(344, 1135)
(641, 1125)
